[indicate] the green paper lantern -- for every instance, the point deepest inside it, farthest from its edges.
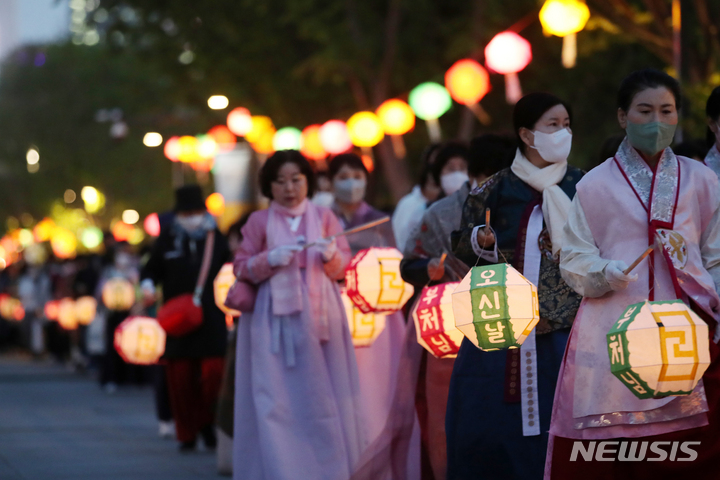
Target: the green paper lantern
(659, 349)
(495, 307)
(287, 138)
(429, 100)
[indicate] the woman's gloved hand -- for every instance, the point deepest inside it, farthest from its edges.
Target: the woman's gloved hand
(283, 255)
(615, 276)
(327, 248)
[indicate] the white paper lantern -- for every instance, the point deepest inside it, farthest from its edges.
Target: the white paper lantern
(85, 310)
(659, 348)
(67, 317)
(140, 340)
(435, 321)
(118, 294)
(374, 283)
(495, 307)
(364, 327)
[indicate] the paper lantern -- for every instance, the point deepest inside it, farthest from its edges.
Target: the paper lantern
(565, 18)
(43, 230)
(467, 81)
(287, 138)
(224, 138)
(334, 137)
(264, 143)
(66, 314)
(374, 283)
(63, 243)
(11, 308)
(396, 117)
(365, 129)
(508, 53)
(659, 348)
(429, 100)
(85, 310)
(364, 327)
(91, 237)
(495, 307)
(118, 294)
(188, 149)
(435, 321)
(259, 125)
(221, 285)
(239, 121)
(152, 225)
(121, 231)
(140, 340)
(172, 149)
(52, 309)
(310, 144)
(207, 148)
(215, 204)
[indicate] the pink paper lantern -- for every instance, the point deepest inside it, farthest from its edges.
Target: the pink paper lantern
(508, 53)
(435, 321)
(334, 137)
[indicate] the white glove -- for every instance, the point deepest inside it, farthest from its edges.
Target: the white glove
(283, 255)
(328, 249)
(615, 276)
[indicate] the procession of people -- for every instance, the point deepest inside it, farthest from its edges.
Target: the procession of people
(295, 391)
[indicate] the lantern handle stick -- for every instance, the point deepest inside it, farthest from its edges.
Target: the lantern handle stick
(639, 259)
(359, 228)
(480, 113)
(487, 221)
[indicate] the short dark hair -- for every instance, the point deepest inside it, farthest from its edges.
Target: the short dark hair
(712, 110)
(269, 171)
(349, 159)
(447, 151)
(427, 157)
(641, 80)
(490, 153)
(530, 108)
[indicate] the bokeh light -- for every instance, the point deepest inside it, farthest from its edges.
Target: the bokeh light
(215, 204)
(365, 129)
(564, 17)
(429, 100)
(396, 117)
(224, 138)
(63, 243)
(131, 217)
(310, 144)
(287, 138)
(91, 238)
(172, 149)
(239, 121)
(260, 125)
(508, 53)
(467, 81)
(334, 137)
(152, 225)
(218, 102)
(152, 139)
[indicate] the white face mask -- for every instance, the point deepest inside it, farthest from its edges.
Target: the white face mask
(350, 190)
(553, 147)
(192, 222)
(324, 199)
(452, 182)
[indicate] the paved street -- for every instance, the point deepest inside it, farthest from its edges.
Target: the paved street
(57, 425)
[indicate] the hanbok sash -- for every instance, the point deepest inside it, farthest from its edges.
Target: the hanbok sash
(658, 193)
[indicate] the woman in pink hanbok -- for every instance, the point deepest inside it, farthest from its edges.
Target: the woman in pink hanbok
(621, 206)
(298, 412)
(712, 110)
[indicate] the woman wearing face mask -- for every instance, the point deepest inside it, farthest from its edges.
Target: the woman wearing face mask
(495, 428)
(644, 192)
(450, 169)
(712, 110)
(193, 362)
(297, 403)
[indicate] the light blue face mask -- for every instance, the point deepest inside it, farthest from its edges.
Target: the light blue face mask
(650, 138)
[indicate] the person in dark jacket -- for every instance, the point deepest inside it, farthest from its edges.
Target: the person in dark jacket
(194, 362)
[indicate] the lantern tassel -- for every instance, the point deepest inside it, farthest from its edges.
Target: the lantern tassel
(513, 91)
(434, 132)
(569, 50)
(481, 114)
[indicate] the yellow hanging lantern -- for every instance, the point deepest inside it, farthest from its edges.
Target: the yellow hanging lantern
(565, 18)
(140, 340)
(364, 327)
(435, 321)
(374, 283)
(66, 314)
(659, 348)
(221, 286)
(85, 310)
(118, 294)
(495, 307)
(365, 129)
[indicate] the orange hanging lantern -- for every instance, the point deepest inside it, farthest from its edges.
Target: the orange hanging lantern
(374, 283)
(435, 321)
(43, 230)
(310, 144)
(224, 138)
(396, 117)
(221, 286)
(365, 129)
(260, 124)
(264, 144)
(121, 231)
(508, 53)
(6, 306)
(51, 310)
(85, 310)
(66, 314)
(63, 243)
(239, 121)
(468, 82)
(215, 204)
(172, 149)
(140, 340)
(118, 294)
(364, 327)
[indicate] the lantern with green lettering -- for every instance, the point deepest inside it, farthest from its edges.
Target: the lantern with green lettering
(659, 348)
(495, 307)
